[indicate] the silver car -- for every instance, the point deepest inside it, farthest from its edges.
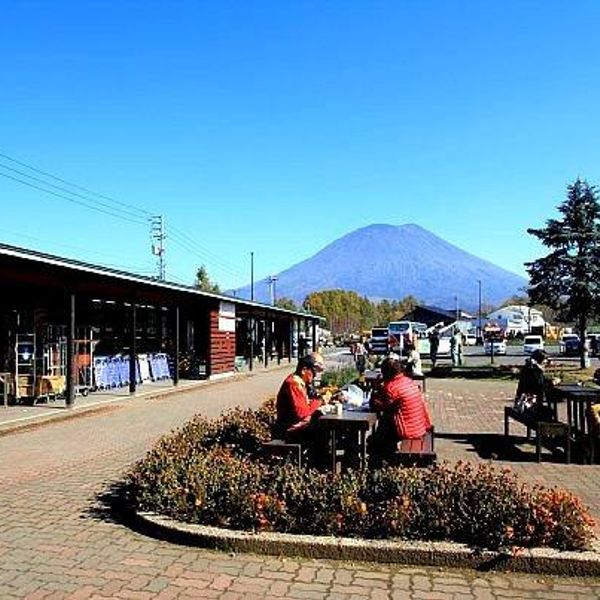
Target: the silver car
(498, 345)
(532, 343)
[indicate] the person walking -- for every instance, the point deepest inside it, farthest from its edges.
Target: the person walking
(360, 357)
(434, 344)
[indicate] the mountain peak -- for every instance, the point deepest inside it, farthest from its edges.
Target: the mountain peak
(389, 261)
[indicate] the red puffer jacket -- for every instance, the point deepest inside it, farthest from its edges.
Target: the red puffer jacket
(403, 404)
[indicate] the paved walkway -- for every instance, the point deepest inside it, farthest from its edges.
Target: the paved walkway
(57, 540)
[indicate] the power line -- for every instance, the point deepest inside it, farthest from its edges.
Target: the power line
(67, 191)
(139, 217)
(80, 203)
(199, 255)
(80, 187)
(203, 254)
(173, 277)
(141, 268)
(233, 269)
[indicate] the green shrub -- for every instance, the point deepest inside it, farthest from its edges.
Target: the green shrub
(339, 377)
(207, 472)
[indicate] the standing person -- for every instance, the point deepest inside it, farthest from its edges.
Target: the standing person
(402, 408)
(302, 345)
(296, 418)
(360, 357)
(413, 360)
(456, 348)
(434, 344)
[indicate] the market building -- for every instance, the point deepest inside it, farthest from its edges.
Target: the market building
(70, 327)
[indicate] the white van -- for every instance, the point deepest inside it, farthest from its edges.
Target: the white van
(532, 343)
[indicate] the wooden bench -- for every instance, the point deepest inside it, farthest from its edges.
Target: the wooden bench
(422, 379)
(550, 434)
(284, 449)
(419, 452)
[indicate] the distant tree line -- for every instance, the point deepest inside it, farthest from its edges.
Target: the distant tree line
(347, 312)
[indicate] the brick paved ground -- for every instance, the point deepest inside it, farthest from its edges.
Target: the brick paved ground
(58, 541)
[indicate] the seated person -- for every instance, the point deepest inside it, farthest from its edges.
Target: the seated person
(534, 387)
(297, 402)
(401, 404)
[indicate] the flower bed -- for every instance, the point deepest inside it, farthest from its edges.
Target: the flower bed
(212, 473)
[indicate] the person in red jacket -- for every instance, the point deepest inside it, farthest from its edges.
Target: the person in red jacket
(296, 406)
(400, 403)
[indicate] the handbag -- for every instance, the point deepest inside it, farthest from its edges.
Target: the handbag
(524, 403)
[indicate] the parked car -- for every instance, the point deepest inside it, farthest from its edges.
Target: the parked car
(532, 343)
(569, 344)
(593, 342)
(498, 345)
(470, 339)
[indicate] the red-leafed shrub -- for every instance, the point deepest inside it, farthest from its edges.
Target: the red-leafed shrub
(211, 472)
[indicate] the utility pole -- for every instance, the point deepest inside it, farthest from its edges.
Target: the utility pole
(158, 236)
(272, 281)
(252, 276)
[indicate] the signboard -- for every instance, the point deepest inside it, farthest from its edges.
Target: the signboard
(227, 316)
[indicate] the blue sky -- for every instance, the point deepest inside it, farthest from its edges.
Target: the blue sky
(277, 127)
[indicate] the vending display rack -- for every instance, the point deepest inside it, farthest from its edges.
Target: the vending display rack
(110, 372)
(25, 367)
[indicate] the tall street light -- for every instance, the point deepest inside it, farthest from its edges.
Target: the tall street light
(251, 275)
(479, 335)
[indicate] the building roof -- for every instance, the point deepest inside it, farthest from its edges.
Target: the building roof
(71, 264)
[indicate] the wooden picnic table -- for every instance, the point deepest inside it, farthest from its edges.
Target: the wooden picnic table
(352, 425)
(579, 401)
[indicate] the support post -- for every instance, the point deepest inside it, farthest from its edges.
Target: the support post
(290, 339)
(132, 349)
(252, 278)
(251, 362)
(71, 377)
(176, 350)
(314, 336)
(267, 338)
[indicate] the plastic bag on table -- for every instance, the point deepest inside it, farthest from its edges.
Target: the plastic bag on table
(352, 395)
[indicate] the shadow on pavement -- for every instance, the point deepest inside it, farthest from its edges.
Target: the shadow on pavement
(494, 446)
(112, 505)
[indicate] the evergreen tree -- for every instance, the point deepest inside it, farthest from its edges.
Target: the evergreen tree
(568, 279)
(204, 283)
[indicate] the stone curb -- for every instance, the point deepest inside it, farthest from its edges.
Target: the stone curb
(437, 554)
